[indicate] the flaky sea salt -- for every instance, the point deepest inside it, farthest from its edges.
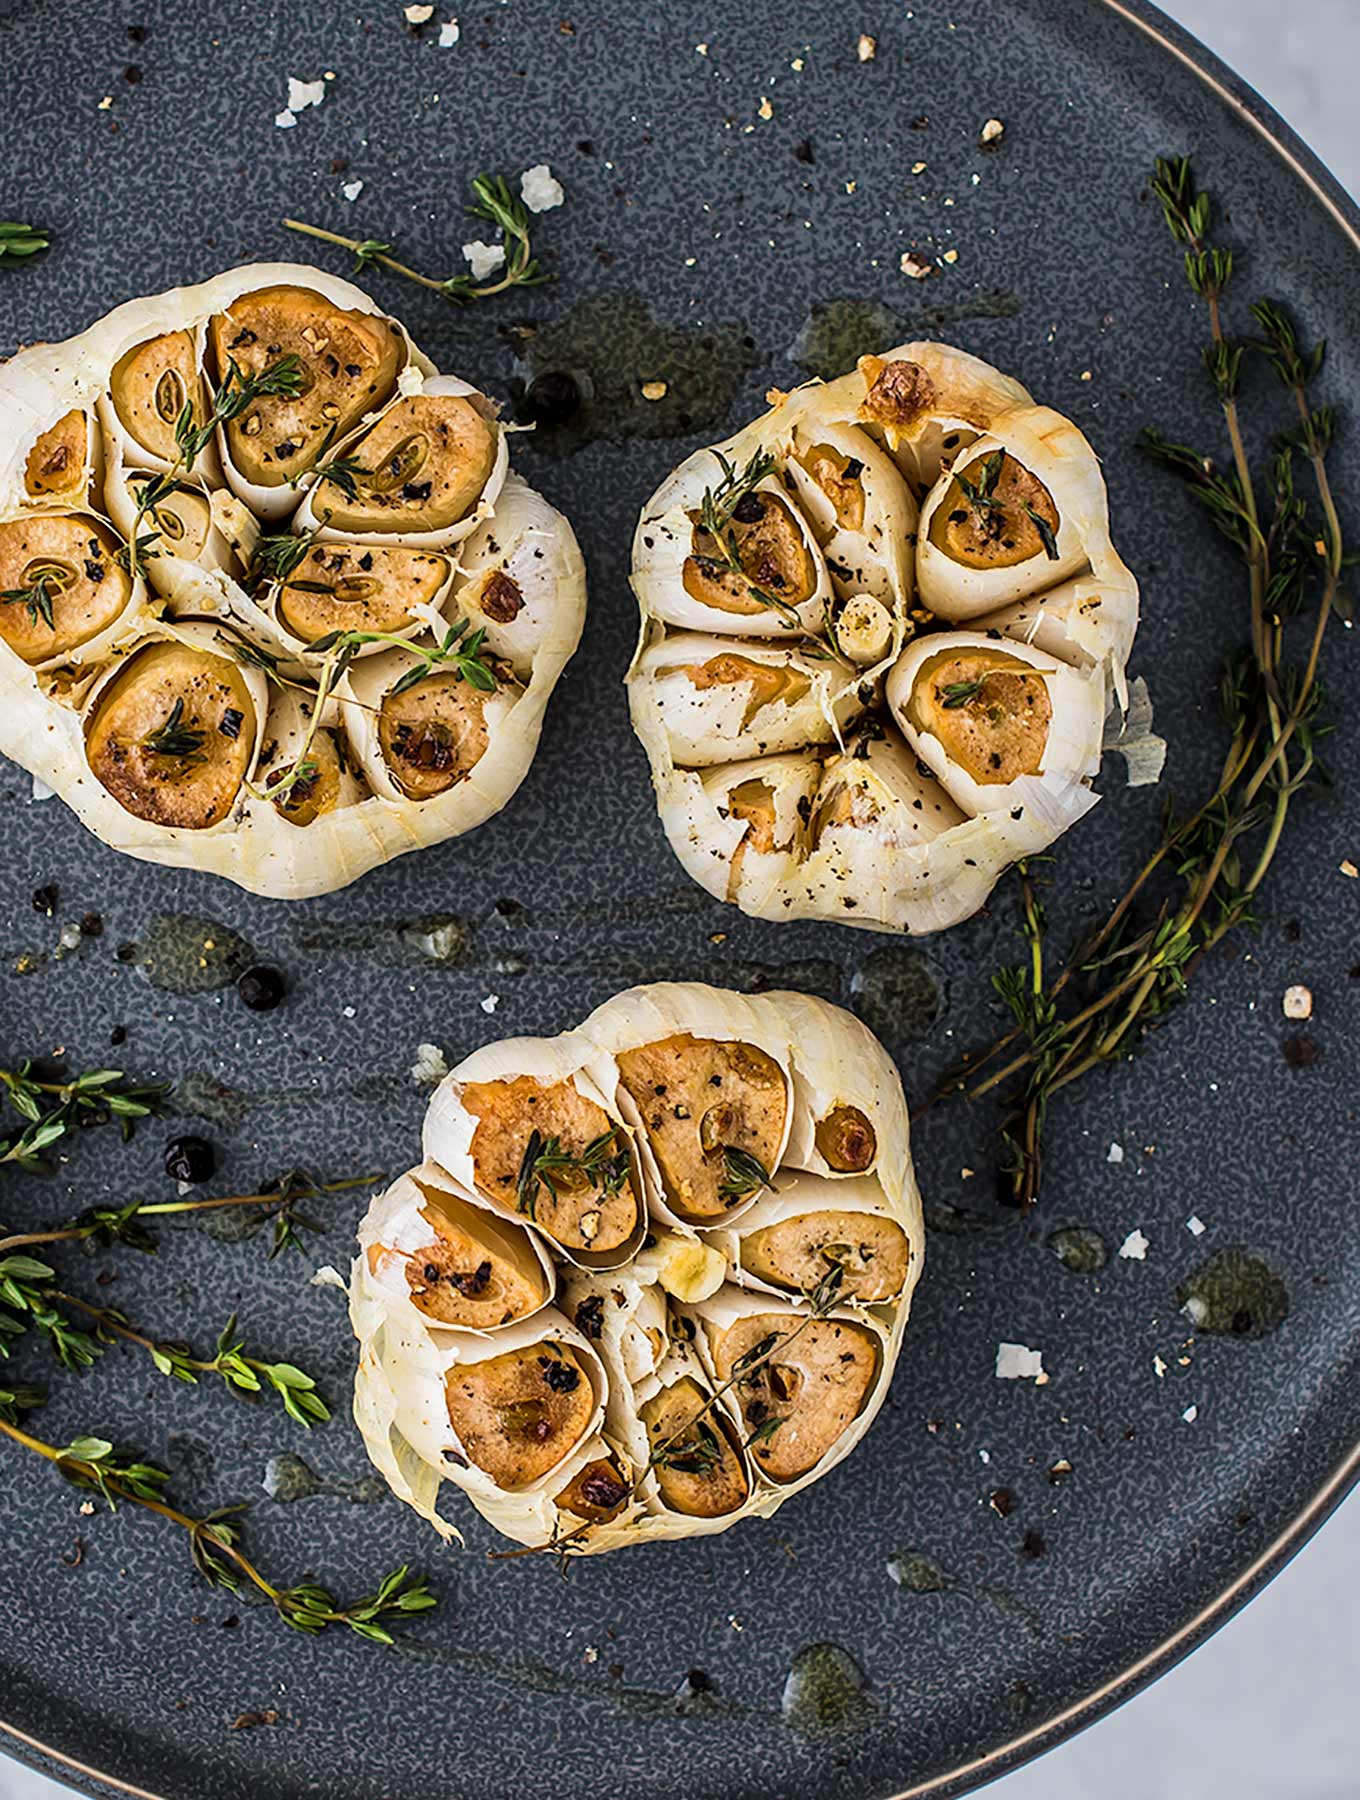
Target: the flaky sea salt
(484, 259)
(1017, 1362)
(1135, 1247)
(302, 94)
(539, 189)
(430, 1066)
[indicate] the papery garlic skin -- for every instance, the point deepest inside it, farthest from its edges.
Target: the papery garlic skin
(650, 1324)
(944, 505)
(70, 443)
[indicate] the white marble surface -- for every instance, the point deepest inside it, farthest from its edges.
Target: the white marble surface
(1266, 1710)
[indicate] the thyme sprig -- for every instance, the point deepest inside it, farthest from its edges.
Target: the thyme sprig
(742, 1174)
(36, 596)
(981, 494)
(1210, 863)
(123, 1224)
(235, 392)
(821, 1300)
(27, 1293)
(19, 242)
(51, 1109)
(176, 740)
(495, 202)
(459, 649)
(604, 1164)
(215, 1547)
(718, 519)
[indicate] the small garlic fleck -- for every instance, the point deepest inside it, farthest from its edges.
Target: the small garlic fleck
(991, 132)
(915, 265)
(1349, 868)
(867, 48)
(654, 390)
(765, 110)
(418, 15)
(951, 256)
(1298, 1002)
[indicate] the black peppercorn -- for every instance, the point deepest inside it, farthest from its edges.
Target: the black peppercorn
(261, 988)
(190, 1159)
(550, 399)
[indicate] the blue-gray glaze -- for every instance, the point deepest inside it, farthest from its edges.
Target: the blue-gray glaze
(582, 1688)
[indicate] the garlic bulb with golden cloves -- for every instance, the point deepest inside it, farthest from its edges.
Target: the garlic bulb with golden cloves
(652, 1276)
(271, 602)
(881, 630)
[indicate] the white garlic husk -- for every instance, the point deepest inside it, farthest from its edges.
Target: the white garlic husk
(944, 400)
(1071, 744)
(743, 829)
(664, 544)
(323, 508)
(712, 701)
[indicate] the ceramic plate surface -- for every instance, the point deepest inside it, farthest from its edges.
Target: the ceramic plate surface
(698, 240)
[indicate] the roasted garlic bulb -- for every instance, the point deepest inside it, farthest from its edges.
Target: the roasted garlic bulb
(272, 603)
(882, 628)
(652, 1275)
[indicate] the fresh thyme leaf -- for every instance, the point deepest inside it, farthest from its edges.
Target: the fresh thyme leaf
(18, 242)
(718, 519)
(958, 693)
(1045, 530)
(765, 1430)
(742, 1174)
(493, 201)
(693, 1453)
(603, 1164)
(52, 1108)
(981, 495)
(215, 1546)
(1202, 880)
(276, 557)
(36, 596)
(460, 650)
(176, 739)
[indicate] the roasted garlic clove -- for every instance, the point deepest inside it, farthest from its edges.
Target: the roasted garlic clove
(801, 1382)
(173, 735)
(518, 1415)
(697, 1467)
(61, 584)
(714, 1113)
(349, 363)
(360, 587)
(150, 388)
(421, 469)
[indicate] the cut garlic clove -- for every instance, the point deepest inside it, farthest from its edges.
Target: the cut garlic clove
(63, 463)
(349, 362)
(444, 1260)
(63, 588)
(429, 470)
(173, 732)
(998, 721)
(766, 578)
(710, 701)
(361, 587)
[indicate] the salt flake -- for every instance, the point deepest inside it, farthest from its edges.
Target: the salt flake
(1298, 1002)
(484, 259)
(448, 34)
(285, 120)
(1195, 1225)
(539, 189)
(430, 1066)
(1017, 1362)
(352, 189)
(302, 94)
(1135, 1247)
(1190, 1414)
(1115, 1153)
(490, 1003)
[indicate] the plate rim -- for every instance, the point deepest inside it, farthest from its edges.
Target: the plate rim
(1026, 1746)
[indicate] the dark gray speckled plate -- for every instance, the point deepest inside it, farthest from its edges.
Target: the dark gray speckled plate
(680, 192)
